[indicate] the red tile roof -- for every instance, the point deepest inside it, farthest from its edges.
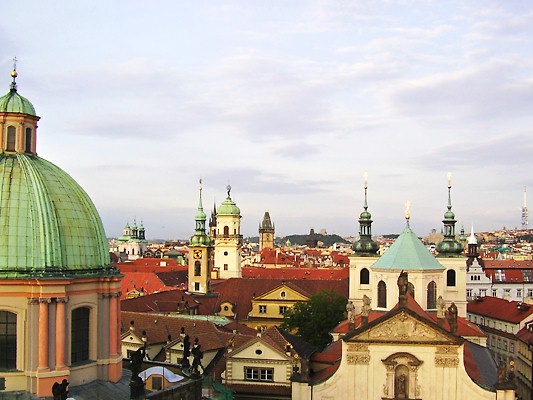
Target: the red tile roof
(241, 291)
(296, 273)
(510, 263)
(525, 335)
(144, 282)
(159, 327)
(501, 309)
(150, 264)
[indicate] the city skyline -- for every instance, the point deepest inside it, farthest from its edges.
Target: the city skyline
(290, 103)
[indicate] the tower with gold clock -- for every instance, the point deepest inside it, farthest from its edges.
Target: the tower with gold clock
(200, 254)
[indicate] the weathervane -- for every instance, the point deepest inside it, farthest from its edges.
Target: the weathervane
(229, 189)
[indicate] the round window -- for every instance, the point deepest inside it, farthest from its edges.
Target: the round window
(258, 352)
(225, 253)
(282, 294)
(226, 308)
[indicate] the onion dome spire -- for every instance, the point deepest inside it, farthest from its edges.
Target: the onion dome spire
(200, 237)
(365, 246)
(449, 247)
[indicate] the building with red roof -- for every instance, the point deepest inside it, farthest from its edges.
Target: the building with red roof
(524, 362)
(501, 320)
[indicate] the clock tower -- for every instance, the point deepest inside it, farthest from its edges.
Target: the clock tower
(200, 254)
(266, 233)
(228, 239)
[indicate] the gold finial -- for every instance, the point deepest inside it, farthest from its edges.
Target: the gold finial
(407, 210)
(449, 180)
(200, 181)
(366, 179)
(14, 72)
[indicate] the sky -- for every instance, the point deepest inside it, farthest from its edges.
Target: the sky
(289, 102)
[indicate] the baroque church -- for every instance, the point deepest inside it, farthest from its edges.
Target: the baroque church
(59, 308)
(406, 335)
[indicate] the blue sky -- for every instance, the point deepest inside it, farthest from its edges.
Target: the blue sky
(289, 102)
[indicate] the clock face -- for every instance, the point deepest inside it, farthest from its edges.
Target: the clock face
(197, 254)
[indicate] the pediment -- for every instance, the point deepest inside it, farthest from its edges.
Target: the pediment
(258, 349)
(404, 328)
(282, 292)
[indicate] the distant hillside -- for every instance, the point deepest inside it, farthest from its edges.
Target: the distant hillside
(328, 240)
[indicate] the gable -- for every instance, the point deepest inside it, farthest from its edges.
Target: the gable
(403, 328)
(131, 338)
(282, 293)
(251, 351)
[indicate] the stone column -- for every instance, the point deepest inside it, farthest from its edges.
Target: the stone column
(43, 334)
(60, 332)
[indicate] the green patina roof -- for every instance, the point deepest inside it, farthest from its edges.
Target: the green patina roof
(408, 253)
(228, 207)
(49, 225)
(14, 103)
(200, 238)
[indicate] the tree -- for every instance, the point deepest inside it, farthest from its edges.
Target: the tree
(313, 320)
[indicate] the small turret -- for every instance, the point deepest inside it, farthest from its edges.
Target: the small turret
(449, 247)
(365, 246)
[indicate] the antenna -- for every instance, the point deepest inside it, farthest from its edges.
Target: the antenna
(524, 211)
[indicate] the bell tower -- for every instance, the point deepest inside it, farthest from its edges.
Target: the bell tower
(228, 239)
(266, 233)
(200, 254)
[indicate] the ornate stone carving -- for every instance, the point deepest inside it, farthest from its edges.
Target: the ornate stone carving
(446, 350)
(404, 328)
(357, 347)
(385, 389)
(446, 362)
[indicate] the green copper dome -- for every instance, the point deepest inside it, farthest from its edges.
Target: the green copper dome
(15, 103)
(50, 227)
(408, 253)
(228, 206)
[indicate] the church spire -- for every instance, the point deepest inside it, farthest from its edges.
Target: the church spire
(449, 246)
(200, 237)
(365, 246)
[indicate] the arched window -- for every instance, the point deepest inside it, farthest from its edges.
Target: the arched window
(27, 144)
(411, 289)
(432, 296)
(382, 294)
(79, 348)
(197, 268)
(8, 341)
(450, 277)
(11, 138)
(226, 231)
(364, 276)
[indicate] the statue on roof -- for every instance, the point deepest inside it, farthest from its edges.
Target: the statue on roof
(452, 318)
(365, 310)
(403, 284)
(186, 351)
(197, 354)
(441, 307)
(350, 312)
